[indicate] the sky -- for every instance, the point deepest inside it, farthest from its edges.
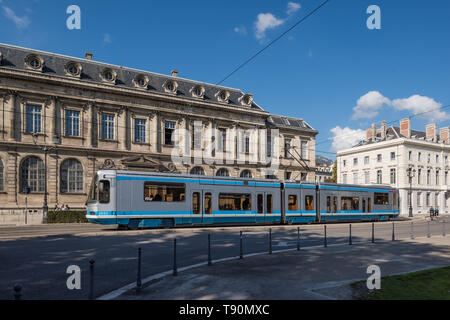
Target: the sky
(331, 70)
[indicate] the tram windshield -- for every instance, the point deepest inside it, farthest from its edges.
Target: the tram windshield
(93, 192)
(100, 191)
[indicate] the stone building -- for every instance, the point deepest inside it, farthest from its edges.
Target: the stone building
(79, 115)
(389, 154)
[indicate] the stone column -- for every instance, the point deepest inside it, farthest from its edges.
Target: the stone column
(52, 179)
(12, 177)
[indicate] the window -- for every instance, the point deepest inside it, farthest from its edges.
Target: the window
(429, 158)
(245, 144)
(269, 203)
(32, 174)
(103, 191)
(1, 176)
(419, 176)
(169, 128)
(208, 203)
(446, 159)
(196, 133)
(379, 177)
(198, 171)
(71, 176)
(196, 203)
(437, 159)
(366, 160)
(222, 140)
(381, 198)
(428, 177)
(303, 149)
(222, 173)
(139, 130)
(446, 178)
(107, 126)
(287, 175)
(419, 156)
(287, 148)
(328, 204)
(436, 200)
(72, 123)
(246, 174)
(292, 203)
(410, 155)
(235, 202)
(393, 176)
(309, 203)
(335, 204)
(344, 178)
(344, 163)
(367, 177)
(164, 192)
(392, 156)
(355, 161)
(379, 157)
(355, 178)
(428, 199)
(349, 203)
(33, 119)
(260, 204)
(269, 144)
(437, 177)
(419, 199)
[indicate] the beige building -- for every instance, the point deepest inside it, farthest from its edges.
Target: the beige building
(79, 115)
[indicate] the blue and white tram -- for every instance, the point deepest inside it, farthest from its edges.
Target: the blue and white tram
(135, 199)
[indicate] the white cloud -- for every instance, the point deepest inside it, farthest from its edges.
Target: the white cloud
(20, 22)
(107, 38)
(344, 138)
(369, 104)
(264, 22)
(240, 30)
(417, 104)
(293, 7)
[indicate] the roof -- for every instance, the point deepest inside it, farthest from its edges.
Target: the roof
(289, 123)
(13, 57)
(394, 133)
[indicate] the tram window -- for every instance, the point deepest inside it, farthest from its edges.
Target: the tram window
(260, 203)
(292, 203)
(349, 203)
(208, 203)
(381, 198)
(328, 204)
(196, 203)
(164, 192)
(103, 191)
(335, 204)
(309, 203)
(234, 202)
(269, 203)
(364, 205)
(369, 205)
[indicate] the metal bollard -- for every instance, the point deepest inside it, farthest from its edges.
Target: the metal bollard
(241, 254)
(139, 280)
(298, 239)
(91, 288)
(350, 235)
(373, 232)
(209, 249)
(393, 231)
(428, 229)
(175, 269)
(17, 292)
(270, 241)
(325, 244)
(412, 230)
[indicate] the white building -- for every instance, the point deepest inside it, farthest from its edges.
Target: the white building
(386, 156)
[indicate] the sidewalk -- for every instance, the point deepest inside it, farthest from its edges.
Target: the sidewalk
(312, 273)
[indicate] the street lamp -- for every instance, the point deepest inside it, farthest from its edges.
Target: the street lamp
(46, 150)
(411, 173)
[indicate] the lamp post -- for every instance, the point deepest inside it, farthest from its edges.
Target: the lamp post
(46, 150)
(411, 173)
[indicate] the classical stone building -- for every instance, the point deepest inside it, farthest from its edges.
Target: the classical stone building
(79, 115)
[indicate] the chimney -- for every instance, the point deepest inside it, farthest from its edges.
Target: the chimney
(383, 129)
(431, 131)
(174, 73)
(369, 134)
(405, 127)
(445, 135)
(88, 56)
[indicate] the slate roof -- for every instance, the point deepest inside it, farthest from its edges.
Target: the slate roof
(394, 133)
(14, 57)
(289, 123)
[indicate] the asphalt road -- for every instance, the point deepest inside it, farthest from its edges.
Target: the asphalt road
(37, 257)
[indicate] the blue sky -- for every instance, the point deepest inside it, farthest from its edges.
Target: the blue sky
(331, 70)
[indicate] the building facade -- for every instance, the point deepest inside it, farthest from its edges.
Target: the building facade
(63, 118)
(415, 162)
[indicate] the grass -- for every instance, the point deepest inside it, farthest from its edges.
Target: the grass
(433, 284)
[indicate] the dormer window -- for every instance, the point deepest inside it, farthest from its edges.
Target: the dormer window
(170, 86)
(246, 100)
(73, 69)
(34, 62)
(223, 96)
(198, 91)
(141, 81)
(108, 75)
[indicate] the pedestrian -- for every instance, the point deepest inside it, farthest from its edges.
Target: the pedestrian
(431, 213)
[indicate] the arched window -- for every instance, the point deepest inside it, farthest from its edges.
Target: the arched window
(246, 174)
(71, 176)
(223, 173)
(198, 171)
(32, 174)
(1, 175)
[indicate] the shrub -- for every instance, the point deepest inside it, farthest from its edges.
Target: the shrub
(66, 217)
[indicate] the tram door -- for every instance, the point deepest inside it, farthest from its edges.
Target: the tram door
(207, 206)
(264, 205)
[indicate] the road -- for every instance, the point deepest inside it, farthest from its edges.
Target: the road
(37, 257)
